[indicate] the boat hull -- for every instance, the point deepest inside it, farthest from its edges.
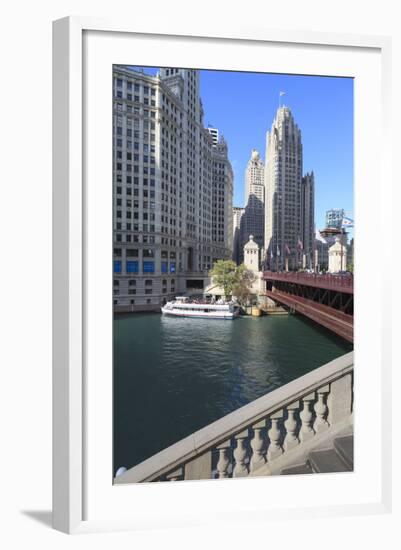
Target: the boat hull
(201, 315)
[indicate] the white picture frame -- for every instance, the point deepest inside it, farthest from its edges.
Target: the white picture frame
(75, 40)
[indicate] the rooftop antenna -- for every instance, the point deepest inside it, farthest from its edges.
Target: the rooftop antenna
(279, 98)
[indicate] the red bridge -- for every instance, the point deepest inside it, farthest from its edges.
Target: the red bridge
(326, 299)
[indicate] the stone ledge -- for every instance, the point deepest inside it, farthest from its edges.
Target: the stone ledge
(207, 438)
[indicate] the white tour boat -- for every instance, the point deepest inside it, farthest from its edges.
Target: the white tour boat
(183, 307)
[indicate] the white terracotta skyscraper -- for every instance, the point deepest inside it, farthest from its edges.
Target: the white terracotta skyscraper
(253, 219)
(254, 177)
(172, 189)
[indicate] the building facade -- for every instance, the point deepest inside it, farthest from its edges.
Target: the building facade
(283, 181)
(308, 220)
(214, 132)
(253, 220)
(162, 187)
(252, 263)
(324, 240)
(251, 255)
(222, 202)
(238, 212)
(337, 257)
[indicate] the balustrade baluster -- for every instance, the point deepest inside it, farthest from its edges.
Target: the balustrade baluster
(291, 439)
(258, 445)
(275, 449)
(224, 459)
(240, 454)
(321, 410)
(307, 432)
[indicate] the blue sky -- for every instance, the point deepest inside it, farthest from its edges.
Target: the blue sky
(243, 105)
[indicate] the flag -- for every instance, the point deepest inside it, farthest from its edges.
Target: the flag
(300, 245)
(278, 250)
(282, 93)
(347, 222)
(287, 249)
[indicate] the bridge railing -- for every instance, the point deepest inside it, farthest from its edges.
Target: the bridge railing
(314, 279)
(258, 434)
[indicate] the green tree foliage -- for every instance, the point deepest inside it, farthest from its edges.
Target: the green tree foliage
(242, 289)
(233, 279)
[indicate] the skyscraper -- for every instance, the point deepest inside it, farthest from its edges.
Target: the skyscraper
(308, 219)
(238, 212)
(253, 220)
(163, 178)
(283, 180)
(222, 200)
(254, 177)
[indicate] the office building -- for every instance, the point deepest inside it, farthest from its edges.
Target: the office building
(308, 220)
(222, 201)
(253, 220)
(163, 178)
(283, 181)
(238, 212)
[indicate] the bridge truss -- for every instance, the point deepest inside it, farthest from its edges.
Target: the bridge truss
(326, 299)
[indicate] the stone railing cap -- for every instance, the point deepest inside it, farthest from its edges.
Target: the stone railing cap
(233, 423)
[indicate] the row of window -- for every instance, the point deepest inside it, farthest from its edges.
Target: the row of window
(132, 266)
(147, 253)
(132, 302)
(136, 134)
(129, 168)
(136, 181)
(136, 87)
(148, 282)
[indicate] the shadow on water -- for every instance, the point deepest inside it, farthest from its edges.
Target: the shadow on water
(174, 376)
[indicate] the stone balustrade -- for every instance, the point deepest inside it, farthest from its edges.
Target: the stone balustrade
(272, 430)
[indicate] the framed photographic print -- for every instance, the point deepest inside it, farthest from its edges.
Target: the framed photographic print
(217, 350)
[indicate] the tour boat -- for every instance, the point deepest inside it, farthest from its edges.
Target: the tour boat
(183, 307)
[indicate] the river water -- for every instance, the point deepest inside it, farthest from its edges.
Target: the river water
(174, 376)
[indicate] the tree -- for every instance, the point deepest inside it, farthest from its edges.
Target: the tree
(242, 290)
(224, 274)
(232, 279)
